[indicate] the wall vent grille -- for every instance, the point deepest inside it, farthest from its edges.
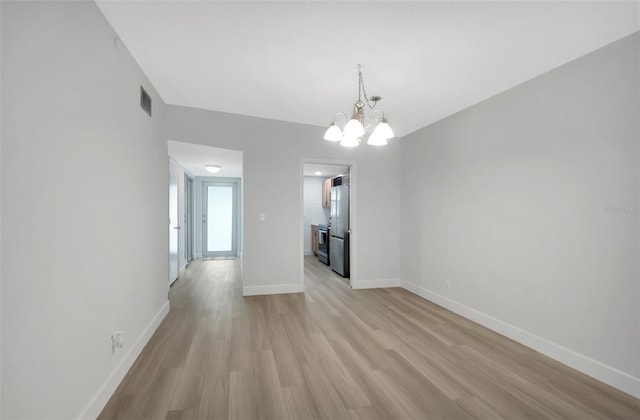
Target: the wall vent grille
(145, 101)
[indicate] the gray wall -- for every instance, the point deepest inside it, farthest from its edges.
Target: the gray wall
(84, 199)
(527, 203)
(272, 184)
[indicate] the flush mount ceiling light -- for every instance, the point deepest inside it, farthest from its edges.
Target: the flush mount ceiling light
(355, 129)
(318, 173)
(213, 168)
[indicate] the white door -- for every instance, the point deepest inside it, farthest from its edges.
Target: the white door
(174, 222)
(220, 210)
(188, 219)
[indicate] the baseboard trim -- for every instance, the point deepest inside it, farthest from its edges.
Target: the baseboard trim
(308, 252)
(376, 283)
(106, 390)
(598, 370)
(275, 289)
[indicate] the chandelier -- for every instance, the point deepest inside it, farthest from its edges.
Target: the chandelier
(355, 129)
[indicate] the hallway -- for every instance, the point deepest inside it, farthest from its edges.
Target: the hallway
(337, 353)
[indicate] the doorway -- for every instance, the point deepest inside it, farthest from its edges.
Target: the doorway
(219, 219)
(328, 219)
(174, 222)
(193, 164)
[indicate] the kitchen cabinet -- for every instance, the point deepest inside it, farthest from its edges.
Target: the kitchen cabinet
(315, 239)
(326, 193)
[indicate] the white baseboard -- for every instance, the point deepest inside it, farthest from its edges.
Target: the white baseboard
(101, 397)
(598, 370)
(308, 252)
(376, 283)
(274, 289)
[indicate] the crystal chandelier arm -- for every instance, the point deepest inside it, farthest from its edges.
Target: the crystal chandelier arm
(372, 122)
(374, 118)
(335, 118)
(380, 111)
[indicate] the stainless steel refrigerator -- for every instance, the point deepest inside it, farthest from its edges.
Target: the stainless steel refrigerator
(339, 227)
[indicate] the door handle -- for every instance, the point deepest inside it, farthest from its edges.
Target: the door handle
(177, 227)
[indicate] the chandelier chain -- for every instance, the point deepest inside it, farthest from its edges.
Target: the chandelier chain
(361, 90)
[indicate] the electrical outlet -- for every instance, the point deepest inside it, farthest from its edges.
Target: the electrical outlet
(117, 341)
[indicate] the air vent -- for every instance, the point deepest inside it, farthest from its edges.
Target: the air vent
(145, 101)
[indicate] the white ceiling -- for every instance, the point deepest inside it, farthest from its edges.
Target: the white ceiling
(296, 61)
(325, 170)
(194, 157)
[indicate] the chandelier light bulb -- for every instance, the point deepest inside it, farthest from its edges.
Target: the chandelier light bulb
(377, 139)
(333, 133)
(353, 128)
(385, 129)
(380, 136)
(349, 141)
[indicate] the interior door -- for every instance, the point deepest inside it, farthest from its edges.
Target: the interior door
(188, 219)
(220, 219)
(174, 223)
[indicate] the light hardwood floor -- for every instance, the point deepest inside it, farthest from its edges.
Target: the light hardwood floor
(337, 353)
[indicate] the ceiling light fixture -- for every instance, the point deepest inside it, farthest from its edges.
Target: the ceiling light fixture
(213, 168)
(318, 173)
(355, 128)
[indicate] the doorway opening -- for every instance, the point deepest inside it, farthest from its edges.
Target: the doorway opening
(174, 222)
(205, 207)
(327, 210)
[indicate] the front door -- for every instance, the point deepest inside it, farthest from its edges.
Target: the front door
(220, 224)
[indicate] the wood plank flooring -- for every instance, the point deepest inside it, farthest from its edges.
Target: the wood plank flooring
(337, 353)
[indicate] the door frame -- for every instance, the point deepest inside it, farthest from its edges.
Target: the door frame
(353, 221)
(174, 225)
(235, 185)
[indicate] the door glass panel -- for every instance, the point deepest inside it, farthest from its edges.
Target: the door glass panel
(219, 218)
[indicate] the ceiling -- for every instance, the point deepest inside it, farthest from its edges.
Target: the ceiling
(194, 157)
(325, 170)
(296, 61)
